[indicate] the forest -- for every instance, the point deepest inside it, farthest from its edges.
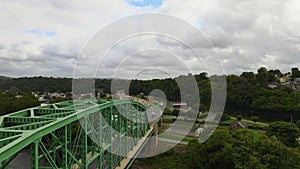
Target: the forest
(248, 94)
(242, 149)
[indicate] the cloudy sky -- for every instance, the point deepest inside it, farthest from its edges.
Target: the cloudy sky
(45, 37)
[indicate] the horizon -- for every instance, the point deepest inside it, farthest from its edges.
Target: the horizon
(163, 78)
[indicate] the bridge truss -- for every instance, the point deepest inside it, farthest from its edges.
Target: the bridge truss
(97, 135)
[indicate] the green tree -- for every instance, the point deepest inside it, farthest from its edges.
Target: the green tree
(254, 119)
(298, 123)
(225, 117)
(203, 108)
(253, 151)
(295, 72)
(261, 77)
(286, 132)
(169, 159)
(9, 103)
(239, 117)
(167, 112)
(248, 75)
(214, 153)
(175, 112)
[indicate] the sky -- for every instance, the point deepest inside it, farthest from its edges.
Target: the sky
(45, 38)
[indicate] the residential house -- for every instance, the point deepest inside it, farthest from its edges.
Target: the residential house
(238, 125)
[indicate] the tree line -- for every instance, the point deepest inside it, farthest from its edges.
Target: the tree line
(248, 94)
(10, 103)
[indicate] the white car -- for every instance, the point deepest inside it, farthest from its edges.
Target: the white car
(153, 114)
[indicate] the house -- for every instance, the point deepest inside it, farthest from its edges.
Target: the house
(238, 125)
(178, 105)
(18, 96)
(295, 84)
(122, 95)
(283, 79)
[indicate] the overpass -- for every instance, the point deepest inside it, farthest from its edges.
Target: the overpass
(78, 134)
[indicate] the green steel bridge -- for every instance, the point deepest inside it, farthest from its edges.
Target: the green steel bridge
(76, 134)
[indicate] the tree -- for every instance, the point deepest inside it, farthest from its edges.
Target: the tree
(170, 159)
(175, 112)
(254, 119)
(298, 123)
(225, 117)
(286, 132)
(13, 91)
(295, 73)
(167, 112)
(243, 149)
(203, 76)
(9, 104)
(59, 99)
(262, 70)
(214, 153)
(239, 117)
(252, 151)
(278, 73)
(263, 77)
(203, 108)
(248, 75)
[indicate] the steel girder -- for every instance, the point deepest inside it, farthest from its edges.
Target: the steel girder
(98, 134)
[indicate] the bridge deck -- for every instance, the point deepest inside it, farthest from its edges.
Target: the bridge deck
(153, 116)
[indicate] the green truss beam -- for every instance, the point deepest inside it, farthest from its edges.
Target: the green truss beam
(73, 134)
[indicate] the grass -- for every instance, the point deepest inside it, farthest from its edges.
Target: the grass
(169, 136)
(202, 116)
(164, 127)
(227, 122)
(168, 120)
(175, 137)
(258, 128)
(188, 139)
(251, 125)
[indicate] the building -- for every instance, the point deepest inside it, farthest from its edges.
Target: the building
(178, 105)
(295, 84)
(238, 125)
(284, 78)
(18, 96)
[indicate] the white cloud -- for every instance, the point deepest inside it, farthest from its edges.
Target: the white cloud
(246, 34)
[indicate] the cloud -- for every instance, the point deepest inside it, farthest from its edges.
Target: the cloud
(2, 46)
(45, 37)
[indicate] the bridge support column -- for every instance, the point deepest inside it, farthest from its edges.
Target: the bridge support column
(85, 143)
(100, 128)
(111, 117)
(2, 165)
(34, 152)
(65, 140)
